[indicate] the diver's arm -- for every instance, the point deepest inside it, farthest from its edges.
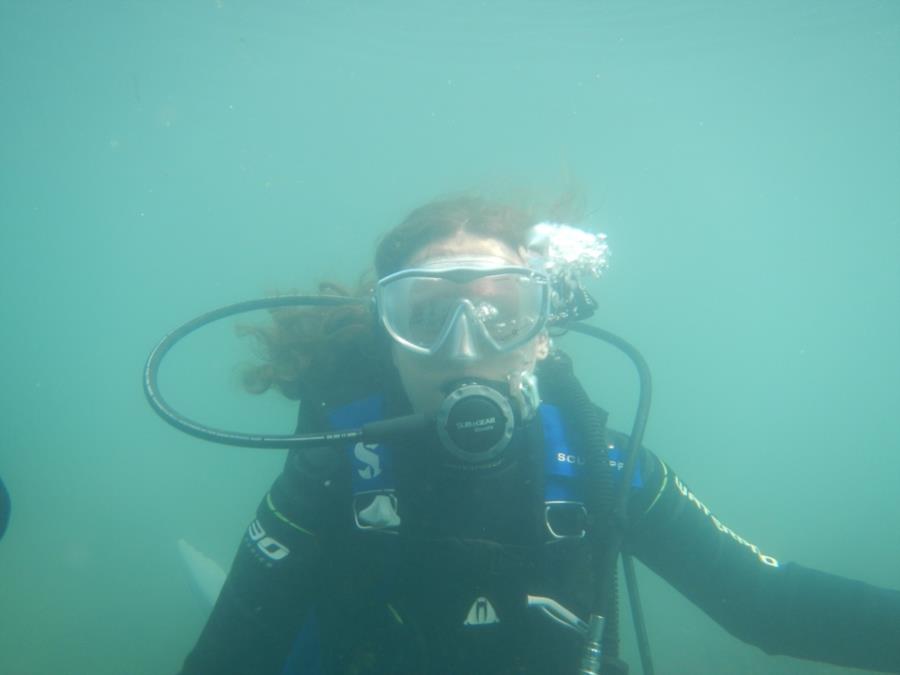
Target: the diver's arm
(271, 587)
(781, 608)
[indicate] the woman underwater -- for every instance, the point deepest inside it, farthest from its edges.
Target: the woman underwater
(471, 547)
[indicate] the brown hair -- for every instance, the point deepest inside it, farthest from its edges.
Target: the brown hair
(445, 218)
(336, 354)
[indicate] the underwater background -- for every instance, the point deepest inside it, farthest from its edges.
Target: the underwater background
(162, 158)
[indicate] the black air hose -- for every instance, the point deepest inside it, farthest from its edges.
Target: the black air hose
(559, 385)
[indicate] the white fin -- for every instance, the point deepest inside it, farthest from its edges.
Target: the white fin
(207, 577)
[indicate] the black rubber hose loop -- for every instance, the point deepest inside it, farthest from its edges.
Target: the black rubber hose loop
(613, 545)
(158, 403)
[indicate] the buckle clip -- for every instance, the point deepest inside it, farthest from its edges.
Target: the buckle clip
(566, 519)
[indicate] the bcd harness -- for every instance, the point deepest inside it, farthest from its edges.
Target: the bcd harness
(549, 581)
(606, 507)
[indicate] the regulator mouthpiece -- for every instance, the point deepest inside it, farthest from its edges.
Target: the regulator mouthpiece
(475, 424)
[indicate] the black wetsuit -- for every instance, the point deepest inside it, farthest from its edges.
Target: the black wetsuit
(5, 508)
(309, 592)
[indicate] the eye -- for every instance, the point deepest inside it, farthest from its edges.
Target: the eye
(426, 319)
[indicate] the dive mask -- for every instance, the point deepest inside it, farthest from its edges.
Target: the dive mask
(463, 308)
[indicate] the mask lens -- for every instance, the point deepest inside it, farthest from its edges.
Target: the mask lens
(432, 305)
(508, 306)
(419, 309)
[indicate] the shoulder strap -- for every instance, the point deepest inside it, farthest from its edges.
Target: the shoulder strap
(372, 479)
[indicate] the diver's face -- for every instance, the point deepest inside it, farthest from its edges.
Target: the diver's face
(425, 376)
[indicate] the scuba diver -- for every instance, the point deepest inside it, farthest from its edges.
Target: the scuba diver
(453, 502)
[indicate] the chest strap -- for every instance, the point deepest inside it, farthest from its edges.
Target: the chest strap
(564, 477)
(374, 488)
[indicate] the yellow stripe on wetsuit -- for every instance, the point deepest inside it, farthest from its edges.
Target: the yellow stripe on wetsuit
(278, 514)
(662, 486)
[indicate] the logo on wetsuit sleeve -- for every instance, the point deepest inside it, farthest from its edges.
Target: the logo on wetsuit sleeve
(272, 549)
(721, 527)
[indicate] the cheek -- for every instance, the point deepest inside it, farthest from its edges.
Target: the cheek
(420, 380)
(408, 364)
(415, 370)
(527, 356)
(401, 364)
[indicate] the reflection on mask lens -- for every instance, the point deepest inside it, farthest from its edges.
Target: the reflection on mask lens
(419, 307)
